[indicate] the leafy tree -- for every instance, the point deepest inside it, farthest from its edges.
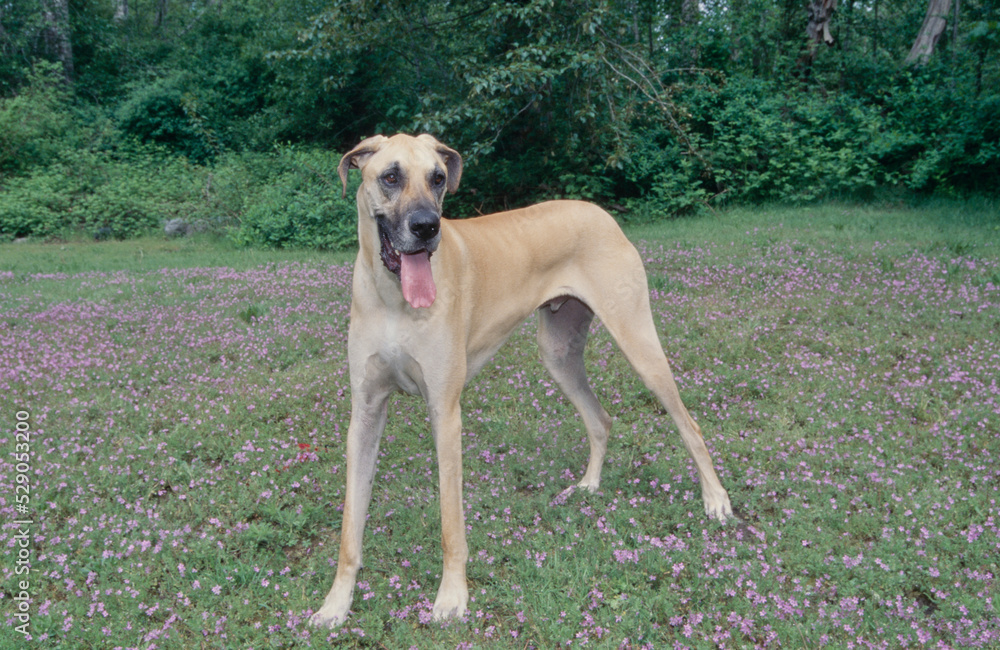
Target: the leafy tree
(651, 106)
(544, 89)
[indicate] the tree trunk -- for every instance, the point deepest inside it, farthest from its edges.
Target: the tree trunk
(818, 28)
(934, 24)
(161, 12)
(690, 13)
(121, 10)
(875, 36)
(820, 14)
(55, 14)
(690, 16)
(954, 34)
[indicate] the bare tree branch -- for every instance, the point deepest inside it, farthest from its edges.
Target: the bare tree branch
(641, 76)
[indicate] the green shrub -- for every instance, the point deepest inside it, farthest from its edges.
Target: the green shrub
(669, 182)
(120, 209)
(294, 202)
(35, 205)
(33, 121)
(116, 195)
(769, 146)
(948, 136)
(288, 198)
(753, 144)
(165, 112)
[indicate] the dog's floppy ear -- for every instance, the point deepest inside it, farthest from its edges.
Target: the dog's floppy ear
(452, 160)
(358, 156)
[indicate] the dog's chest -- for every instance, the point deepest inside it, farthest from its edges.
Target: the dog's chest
(396, 340)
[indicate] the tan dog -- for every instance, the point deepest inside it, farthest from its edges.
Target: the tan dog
(434, 299)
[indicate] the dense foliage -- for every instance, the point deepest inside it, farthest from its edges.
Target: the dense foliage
(234, 113)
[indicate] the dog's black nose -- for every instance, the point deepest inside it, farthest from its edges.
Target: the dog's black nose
(424, 224)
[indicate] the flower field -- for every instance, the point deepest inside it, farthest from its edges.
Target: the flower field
(185, 438)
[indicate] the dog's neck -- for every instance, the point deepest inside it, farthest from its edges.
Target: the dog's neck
(368, 241)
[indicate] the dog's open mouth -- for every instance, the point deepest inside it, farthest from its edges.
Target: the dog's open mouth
(390, 256)
(412, 269)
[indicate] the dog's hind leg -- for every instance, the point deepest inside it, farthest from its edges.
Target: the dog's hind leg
(562, 337)
(624, 309)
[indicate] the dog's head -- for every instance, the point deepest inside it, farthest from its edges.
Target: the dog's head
(404, 180)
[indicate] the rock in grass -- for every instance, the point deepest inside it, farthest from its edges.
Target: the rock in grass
(178, 228)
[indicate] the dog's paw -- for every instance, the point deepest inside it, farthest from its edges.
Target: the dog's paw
(721, 510)
(450, 604)
(724, 517)
(328, 617)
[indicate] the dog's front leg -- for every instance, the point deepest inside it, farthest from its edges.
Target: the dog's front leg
(368, 415)
(453, 594)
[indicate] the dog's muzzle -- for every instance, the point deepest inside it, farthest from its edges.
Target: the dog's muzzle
(413, 265)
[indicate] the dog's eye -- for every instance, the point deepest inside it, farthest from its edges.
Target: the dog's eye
(390, 178)
(438, 179)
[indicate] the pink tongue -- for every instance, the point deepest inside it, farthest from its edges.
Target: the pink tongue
(418, 284)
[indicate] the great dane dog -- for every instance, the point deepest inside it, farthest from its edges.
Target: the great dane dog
(434, 299)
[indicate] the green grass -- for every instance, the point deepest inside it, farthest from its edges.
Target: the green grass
(189, 401)
(145, 254)
(933, 222)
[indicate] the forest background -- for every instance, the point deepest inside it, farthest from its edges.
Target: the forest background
(120, 116)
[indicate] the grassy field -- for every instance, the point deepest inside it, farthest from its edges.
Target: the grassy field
(182, 406)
